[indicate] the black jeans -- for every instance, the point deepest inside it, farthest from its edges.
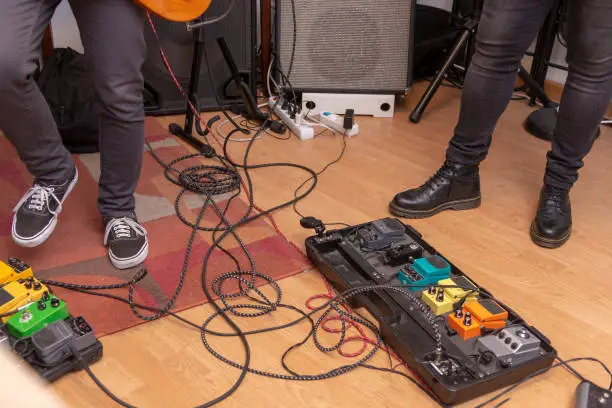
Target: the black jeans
(115, 49)
(506, 30)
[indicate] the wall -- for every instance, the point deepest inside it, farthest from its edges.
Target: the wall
(64, 27)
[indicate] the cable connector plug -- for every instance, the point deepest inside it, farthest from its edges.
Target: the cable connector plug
(313, 223)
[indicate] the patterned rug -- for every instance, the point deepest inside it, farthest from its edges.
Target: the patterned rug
(75, 252)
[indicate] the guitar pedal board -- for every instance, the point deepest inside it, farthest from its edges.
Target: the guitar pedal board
(38, 326)
(460, 339)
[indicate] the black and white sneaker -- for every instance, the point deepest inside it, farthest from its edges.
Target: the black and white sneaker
(127, 242)
(37, 211)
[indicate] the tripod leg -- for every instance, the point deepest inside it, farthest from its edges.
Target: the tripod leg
(417, 112)
(535, 90)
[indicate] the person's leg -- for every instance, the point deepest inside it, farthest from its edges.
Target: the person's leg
(586, 96)
(506, 30)
(26, 120)
(115, 50)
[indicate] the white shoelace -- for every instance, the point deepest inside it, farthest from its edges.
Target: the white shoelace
(122, 228)
(39, 199)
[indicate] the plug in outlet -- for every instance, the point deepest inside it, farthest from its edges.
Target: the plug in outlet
(337, 123)
(302, 129)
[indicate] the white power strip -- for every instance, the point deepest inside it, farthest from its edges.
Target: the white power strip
(301, 128)
(337, 123)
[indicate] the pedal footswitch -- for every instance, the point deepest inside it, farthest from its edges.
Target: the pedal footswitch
(424, 272)
(490, 314)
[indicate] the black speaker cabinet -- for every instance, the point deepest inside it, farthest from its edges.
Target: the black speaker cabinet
(239, 30)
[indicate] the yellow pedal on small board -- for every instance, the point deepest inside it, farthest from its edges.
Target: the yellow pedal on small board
(14, 270)
(17, 294)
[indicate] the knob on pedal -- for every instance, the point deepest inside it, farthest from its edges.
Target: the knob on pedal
(467, 320)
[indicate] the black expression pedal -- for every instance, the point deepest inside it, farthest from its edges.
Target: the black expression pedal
(588, 395)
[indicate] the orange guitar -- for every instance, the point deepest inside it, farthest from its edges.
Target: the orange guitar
(176, 10)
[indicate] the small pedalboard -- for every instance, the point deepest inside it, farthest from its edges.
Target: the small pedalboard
(460, 339)
(38, 327)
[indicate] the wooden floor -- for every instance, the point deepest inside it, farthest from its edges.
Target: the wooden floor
(563, 292)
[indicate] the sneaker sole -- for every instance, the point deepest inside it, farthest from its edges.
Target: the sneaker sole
(458, 205)
(546, 242)
(42, 236)
(127, 263)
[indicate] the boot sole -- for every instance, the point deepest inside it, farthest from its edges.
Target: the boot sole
(546, 242)
(45, 233)
(458, 205)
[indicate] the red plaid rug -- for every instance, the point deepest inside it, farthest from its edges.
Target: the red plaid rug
(75, 252)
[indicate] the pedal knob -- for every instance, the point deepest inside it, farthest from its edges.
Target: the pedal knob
(432, 290)
(41, 305)
(508, 340)
(458, 313)
(440, 296)
(28, 284)
(55, 302)
(467, 320)
(45, 296)
(37, 286)
(501, 335)
(514, 346)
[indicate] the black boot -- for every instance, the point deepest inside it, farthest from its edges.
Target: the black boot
(454, 186)
(553, 223)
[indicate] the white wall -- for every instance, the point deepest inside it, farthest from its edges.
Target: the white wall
(64, 28)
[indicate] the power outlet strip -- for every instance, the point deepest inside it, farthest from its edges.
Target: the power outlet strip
(337, 123)
(301, 128)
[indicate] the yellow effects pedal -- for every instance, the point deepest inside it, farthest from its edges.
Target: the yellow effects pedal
(15, 295)
(437, 301)
(14, 270)
(464, 289)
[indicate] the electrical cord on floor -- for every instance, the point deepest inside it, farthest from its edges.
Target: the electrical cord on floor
(561, 363)
(312, 177)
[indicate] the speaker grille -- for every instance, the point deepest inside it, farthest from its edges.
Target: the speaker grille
(357, 45)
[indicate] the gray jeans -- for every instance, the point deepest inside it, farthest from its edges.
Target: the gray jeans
(112, 36)
(506, 30)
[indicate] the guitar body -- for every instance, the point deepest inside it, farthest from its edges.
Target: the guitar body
(176, 10)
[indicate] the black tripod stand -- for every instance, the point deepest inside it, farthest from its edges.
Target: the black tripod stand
(465, 45)
(250, 110)
(186, 132)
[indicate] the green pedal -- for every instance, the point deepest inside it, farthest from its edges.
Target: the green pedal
(36, 316)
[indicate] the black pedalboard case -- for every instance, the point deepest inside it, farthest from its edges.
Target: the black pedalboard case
(458, 337)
